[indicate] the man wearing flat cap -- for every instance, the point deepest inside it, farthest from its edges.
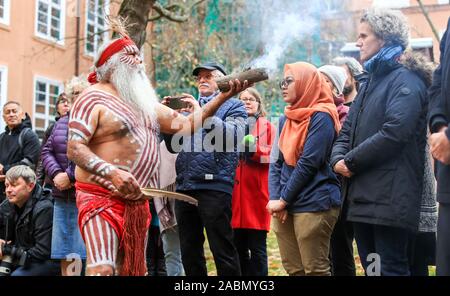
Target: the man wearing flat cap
(205, 167)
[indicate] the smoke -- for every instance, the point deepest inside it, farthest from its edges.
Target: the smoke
(280, 24)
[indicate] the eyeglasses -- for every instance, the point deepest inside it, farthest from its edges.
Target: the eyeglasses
(251, 100)
(206, 77)
(285, 82)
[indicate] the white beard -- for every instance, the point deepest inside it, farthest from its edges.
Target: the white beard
(134, 87)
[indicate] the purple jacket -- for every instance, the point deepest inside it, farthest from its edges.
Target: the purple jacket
(54, 157)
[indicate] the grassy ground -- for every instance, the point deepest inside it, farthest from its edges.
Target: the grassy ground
(275, 266)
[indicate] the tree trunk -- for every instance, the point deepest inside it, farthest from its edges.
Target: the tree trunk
(137, 13)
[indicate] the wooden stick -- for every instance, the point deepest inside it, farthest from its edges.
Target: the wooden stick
(252, 76)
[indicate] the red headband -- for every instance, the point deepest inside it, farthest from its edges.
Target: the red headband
(111, 50)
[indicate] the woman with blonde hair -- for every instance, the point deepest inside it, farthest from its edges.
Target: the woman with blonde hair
(250, 220)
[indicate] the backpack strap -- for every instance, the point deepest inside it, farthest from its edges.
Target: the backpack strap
(22, 134)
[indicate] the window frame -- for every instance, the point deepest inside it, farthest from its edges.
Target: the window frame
(5, 20)
(392, 4)
(96, 27)
(332, 6)
(3, 91)
(62, 25)
(47, 117)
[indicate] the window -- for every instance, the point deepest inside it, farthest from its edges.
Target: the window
(46, 93)
(332, 5)
(4, 12)
(443, 2)
(96, 29)
(3, 91)
(50, 20)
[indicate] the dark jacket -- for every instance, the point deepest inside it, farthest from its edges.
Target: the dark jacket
(439, 113)
(41, 177)
(383, 144)
(54, 157)
(198, 169)
(11, 154)
(310, 186)
(32, 229)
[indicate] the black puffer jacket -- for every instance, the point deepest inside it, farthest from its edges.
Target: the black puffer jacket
(383, 142)
(439, 114)
(12, 154)
(32, 229)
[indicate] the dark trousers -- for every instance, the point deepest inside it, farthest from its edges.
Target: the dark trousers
(156, 264)
(252, 250)
(421, 252)
(443, 241)
(342, 258)
(45, 268)
(388, 244)
(214, 214)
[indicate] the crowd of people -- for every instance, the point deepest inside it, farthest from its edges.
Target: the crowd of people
(361, 154)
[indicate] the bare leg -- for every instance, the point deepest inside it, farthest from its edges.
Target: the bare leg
(101, 247)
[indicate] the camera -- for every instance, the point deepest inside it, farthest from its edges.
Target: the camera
(12, 256)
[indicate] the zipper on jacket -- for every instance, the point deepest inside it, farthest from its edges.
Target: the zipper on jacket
(363, 99)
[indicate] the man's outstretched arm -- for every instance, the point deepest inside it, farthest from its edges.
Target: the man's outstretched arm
(172, 122)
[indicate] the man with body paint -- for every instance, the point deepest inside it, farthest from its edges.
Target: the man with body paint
(113, 140)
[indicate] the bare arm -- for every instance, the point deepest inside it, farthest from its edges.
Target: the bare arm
(172, 122)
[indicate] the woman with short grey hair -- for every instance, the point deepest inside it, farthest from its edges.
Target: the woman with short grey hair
(380, 149)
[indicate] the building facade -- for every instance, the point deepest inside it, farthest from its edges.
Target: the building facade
(44, 43)
(340, 26)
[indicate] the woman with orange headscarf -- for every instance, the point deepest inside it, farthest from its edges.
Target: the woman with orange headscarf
(304, 192)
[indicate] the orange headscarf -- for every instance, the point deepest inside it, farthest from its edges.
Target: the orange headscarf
(313, 95)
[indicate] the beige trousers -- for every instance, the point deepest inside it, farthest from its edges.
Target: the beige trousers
(304, 242)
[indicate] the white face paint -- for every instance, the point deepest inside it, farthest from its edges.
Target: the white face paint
(133, 86)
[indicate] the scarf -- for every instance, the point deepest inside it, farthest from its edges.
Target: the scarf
(313, 96)
(203, 100)
(387, 57)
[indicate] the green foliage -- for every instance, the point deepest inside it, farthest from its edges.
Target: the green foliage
(218, 30)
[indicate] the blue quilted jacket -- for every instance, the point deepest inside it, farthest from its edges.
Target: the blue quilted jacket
(207, 160)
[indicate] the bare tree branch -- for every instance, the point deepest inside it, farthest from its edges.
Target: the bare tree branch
(170, 12)
(427, 16)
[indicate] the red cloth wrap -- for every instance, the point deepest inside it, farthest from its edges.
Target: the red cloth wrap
(111, 50)
(130, 220)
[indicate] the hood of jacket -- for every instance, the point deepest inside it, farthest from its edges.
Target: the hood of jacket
(417, 63)
(413, 61)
